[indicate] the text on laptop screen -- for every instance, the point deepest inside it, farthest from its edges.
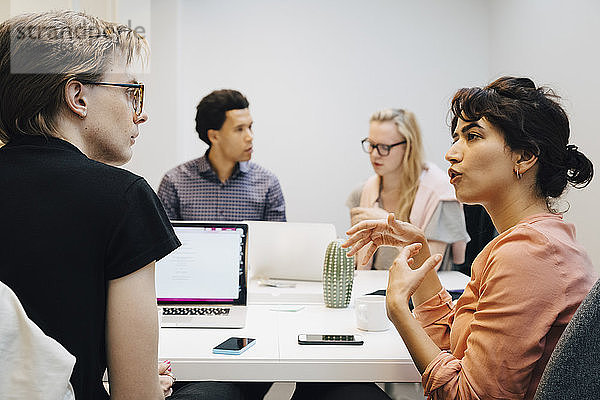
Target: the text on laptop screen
(207, 267)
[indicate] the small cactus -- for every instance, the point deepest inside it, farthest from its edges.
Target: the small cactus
(338, 275)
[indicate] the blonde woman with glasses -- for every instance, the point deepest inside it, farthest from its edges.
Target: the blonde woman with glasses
(404, 184)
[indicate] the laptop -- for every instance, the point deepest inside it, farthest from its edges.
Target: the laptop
(202, 284)
(288, 250)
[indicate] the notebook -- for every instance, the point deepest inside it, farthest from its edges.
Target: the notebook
(202, 284)
(288, 250)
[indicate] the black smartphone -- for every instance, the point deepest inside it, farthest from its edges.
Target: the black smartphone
(330, 339)
(234, 345)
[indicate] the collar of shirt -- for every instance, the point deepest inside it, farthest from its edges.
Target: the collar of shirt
(46, 141)
(206, 169)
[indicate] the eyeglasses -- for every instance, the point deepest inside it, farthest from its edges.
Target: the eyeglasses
(382, 149)
(135, 91)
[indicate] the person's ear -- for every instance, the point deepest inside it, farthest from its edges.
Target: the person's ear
(524, 161)
(75, 98)
(213, 135)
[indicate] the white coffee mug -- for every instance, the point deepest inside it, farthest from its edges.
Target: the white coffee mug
(370, 313)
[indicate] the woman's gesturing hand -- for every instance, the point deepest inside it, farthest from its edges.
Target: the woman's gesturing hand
(360, 214)
(403, 280)
(376, 233)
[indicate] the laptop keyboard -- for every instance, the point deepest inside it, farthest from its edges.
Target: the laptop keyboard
(216, 311)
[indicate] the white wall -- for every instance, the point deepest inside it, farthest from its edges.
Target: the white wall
(156, 149)
(556, 44)
(313, 73)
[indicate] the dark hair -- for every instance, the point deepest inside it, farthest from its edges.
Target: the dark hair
(530, 119)
(210, 113)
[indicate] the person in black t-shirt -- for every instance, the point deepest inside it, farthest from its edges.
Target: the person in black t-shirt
(79, 235)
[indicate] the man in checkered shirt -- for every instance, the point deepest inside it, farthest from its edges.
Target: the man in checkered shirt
(223, 185)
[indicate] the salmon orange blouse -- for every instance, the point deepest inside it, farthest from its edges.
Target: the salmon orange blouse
(525, 286)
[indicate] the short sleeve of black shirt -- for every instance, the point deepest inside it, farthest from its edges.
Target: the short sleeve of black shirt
(71, 224)
(142, 234)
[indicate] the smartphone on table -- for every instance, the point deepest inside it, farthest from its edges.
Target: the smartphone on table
(330, 339)
(234, 345)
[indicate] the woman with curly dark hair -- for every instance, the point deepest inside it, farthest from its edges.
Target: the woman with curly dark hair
(510, 153)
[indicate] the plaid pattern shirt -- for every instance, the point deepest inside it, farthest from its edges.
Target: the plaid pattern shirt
(193, 192)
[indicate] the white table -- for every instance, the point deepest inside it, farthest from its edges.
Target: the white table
(276, 356)
(305, 292)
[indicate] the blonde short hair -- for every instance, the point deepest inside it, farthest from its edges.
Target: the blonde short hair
(41, 52)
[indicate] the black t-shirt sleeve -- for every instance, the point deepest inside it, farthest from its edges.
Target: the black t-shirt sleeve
(142, 234)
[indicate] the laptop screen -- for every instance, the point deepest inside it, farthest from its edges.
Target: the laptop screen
(208, 268)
